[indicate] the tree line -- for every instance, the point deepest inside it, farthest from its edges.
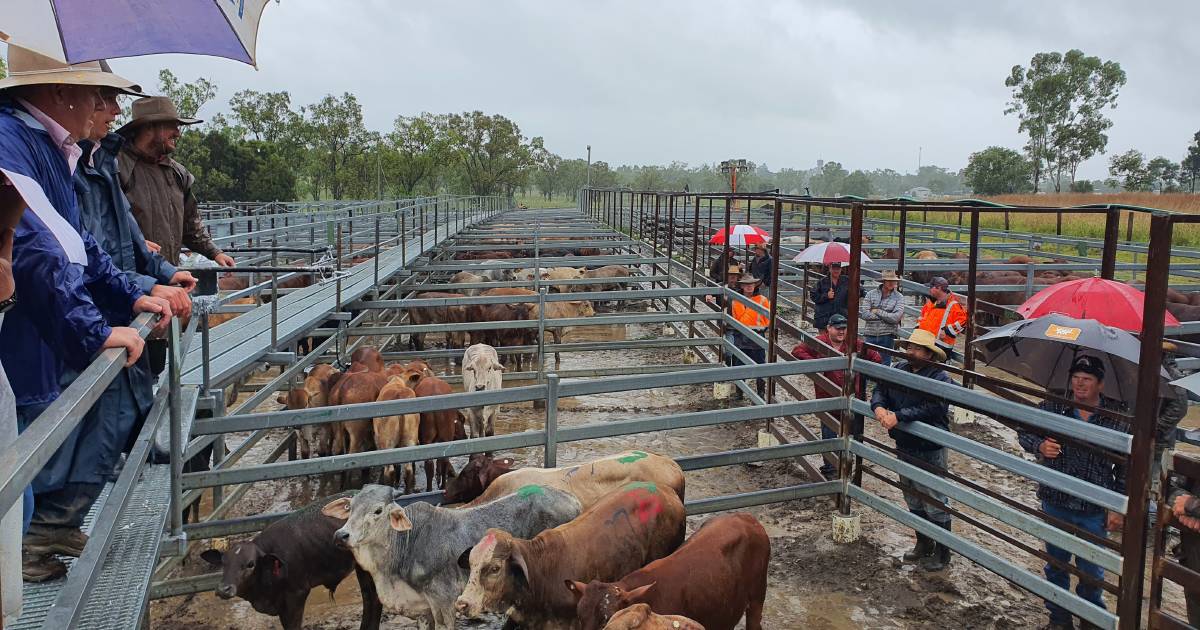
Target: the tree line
(1061, 101)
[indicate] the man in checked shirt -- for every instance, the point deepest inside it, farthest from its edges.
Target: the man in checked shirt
(1087, 379)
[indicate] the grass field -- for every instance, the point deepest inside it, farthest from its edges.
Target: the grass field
(538, 201)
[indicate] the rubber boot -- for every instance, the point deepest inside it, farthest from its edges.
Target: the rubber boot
(940, 559)
(923, 548)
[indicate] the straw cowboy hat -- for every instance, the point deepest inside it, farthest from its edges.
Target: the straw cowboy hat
(748, 279)
(152, 109)
(26, 67)
(888, 274)
(925, 339)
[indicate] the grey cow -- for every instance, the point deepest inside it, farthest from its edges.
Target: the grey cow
(412, 552)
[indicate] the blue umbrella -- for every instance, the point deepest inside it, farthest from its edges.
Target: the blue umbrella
(74, 31)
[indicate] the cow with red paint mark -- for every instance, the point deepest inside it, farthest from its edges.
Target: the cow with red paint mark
(622, 532)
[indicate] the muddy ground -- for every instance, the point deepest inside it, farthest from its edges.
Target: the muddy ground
(814, 582)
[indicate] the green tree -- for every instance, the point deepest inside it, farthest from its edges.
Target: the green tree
(1061, 100)
(338, 137)
(419, 144)
(489, 150)
(998, 171)
(1131, 170)
(830, 180)
(1082, 186)
(1190, 167)
(1164, 173)
(547, 173)
(267, 116)
(188, 97)
(3, 69)
(858, 184)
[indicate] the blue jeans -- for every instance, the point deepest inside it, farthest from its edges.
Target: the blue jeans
(917, 505)
(883, 341)
(1087, 521)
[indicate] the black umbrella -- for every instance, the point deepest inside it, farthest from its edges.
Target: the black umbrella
(1042, 350)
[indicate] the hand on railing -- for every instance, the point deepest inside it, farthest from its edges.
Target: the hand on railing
(176, 297)
(152, 304)
(128, 339)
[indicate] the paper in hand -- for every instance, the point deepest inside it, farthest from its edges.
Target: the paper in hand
(41, 207)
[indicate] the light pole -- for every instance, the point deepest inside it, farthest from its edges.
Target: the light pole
(589, 177)
(731, 168)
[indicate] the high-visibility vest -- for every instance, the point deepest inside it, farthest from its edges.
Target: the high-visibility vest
(749, 317)
(946, 322)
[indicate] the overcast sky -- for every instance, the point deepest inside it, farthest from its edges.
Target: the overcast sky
(781, 83)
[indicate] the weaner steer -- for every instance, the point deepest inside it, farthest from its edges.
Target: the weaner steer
(640, 617)
(481, 372)
(626, 530)
(716, 576)
(411, 551)
(276, 570)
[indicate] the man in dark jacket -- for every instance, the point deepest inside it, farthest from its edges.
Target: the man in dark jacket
(1088, 464)
(720, 266)
(835, 337)
(761, 265)
(830, 295)
(894, 404)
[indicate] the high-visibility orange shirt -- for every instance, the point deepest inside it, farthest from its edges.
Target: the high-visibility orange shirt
(750, 317)
(946, 322)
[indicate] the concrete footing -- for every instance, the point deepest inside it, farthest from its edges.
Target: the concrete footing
(846, 529)
(723, 391)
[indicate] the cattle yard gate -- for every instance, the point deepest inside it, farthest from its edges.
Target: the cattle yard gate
(371, 258)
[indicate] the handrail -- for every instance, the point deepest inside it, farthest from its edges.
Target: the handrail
(22, 460)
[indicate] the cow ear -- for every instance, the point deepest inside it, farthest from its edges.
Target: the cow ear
(339, 509)
(485, 478)
(576, 589)
(273, 566)
(638, 594)
(399, 520)
(213, 557)
(281, 399)
(516, 563)
(496, 365)
(464, 558)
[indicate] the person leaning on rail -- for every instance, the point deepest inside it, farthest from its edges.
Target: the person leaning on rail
(894, 404)
(881, 311)
(731, 283)
(1088, 464)
(60, 273)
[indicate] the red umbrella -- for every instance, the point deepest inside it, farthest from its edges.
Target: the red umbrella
(742, 235)
(828, 254)
(1109, 302)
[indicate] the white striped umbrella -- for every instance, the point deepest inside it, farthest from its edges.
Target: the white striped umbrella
(74, 31)
(741, 236)
(828, 254)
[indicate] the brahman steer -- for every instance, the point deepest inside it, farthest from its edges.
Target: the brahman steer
(410, 552)
(277, 568)
(629, 528)
(589, 481)
(716, 576)
(640, 617)
(481, 372)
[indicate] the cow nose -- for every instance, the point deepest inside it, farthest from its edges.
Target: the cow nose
(461, 607)
(341, 538)
(479, 388)
(226, 591)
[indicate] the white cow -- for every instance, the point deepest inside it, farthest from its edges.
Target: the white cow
(481, 372)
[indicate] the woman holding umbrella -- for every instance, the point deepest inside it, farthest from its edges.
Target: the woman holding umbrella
(830, 295)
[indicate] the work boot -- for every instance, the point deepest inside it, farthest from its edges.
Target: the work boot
(41, 567)
(923, 548)
(66, 541)
(940, 558)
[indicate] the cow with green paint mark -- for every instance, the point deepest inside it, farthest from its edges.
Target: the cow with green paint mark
(412, 552)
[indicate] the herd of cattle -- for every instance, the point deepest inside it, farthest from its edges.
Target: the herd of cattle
(596, 545)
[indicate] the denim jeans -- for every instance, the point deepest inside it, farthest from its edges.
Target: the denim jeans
(883, 341)
(917, 505)
(1092, 522)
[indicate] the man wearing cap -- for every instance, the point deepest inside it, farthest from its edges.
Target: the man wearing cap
(158, 187)
(943, 314)
(60, 273)
(894, 405)
(881, 311)
(835, 337)
(752, 319)
(1088, 464)
(830, 295)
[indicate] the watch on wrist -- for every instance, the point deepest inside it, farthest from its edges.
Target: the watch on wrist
(6, 305)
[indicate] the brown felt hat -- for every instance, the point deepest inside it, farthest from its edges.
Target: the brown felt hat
(152, 109)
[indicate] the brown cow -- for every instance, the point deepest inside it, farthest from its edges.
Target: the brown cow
(718, 575)
(626, 530)
(561, 273)
(464, 277)
(479, 472)
(366, 359)
(355, 436)
(592, 481)
(562, 310)
(314, 439)
(397, 431)
(436, 427)
(452, 314)
(640, 617)
(503, 337)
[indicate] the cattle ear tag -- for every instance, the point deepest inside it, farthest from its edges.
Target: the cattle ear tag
(399, 520)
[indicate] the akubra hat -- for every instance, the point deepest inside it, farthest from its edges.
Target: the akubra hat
(925, 339)
(152, 109)
(26, 67)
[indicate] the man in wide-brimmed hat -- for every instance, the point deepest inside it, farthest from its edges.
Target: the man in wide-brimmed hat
(752, 319)
(893, 405)
(881, 311)
(158, 187)
(61, 274)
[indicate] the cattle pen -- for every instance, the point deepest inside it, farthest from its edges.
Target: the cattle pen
(371, 260)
